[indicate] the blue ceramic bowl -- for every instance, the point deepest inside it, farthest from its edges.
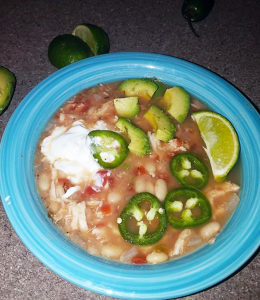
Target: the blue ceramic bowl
(192, 273)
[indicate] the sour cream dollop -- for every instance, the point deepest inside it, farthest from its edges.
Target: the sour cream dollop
(69, 151)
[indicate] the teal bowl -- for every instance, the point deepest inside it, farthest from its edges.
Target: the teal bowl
(189, 274)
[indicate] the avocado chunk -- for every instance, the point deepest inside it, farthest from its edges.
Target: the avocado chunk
(7, 84)
(127, 107)
(163, 127)
(139, 141)
(139, 87)
(176, 102)
(160, 90)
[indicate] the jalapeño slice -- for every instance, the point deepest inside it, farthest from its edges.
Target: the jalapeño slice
(186, 208)
(108, 147)
(189, 170)
(143, 220)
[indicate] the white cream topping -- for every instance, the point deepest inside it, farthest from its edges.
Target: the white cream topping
(69, 151)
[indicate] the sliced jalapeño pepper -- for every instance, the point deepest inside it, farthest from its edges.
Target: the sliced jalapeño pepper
(143, 220)
(186, 208)
(189, 170)
(108, 147)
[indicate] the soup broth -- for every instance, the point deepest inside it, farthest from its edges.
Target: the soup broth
(86, 200)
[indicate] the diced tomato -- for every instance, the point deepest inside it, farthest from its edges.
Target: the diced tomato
(164, 176)
(106, 177)
(110, 181)
(65, 182)
(139, 260)
(89, 191)
(178, 142)
(140, 171)
(105, 209)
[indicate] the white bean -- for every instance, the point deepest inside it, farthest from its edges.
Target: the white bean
(111, 251)
(209, 230)
(160, 189)
(113, 197)
(156, 257)
(150, 168)
(44, 182)
(139, 185)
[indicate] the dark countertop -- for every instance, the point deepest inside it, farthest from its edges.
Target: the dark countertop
(228, 45)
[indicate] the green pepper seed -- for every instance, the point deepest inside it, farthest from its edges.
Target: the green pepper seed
(186, 215)
(191, 203)
(142, 228)
(137, 213)
(145, 219)
(108, 147)
(151, 214)
(176, 206)
(186, 164)
(196, 176)
(192, 198)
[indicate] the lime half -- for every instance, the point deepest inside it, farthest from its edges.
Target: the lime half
(222, 145)
(94, 36)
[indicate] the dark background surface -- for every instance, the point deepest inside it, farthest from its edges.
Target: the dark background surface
(228, 45)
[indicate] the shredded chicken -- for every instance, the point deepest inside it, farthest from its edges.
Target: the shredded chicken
(78, 216)
(179, 244)
(220, 190)
(173, 146)
(103, 110)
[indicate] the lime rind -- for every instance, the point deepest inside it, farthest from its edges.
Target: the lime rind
(221, 140)
(83, 32)
(95, 37)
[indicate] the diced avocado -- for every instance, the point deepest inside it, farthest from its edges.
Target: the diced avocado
(7, 83)
(160, 90)
(139, 141)
(127, 107)
(177, 103)
(161, 123)
(139, 87)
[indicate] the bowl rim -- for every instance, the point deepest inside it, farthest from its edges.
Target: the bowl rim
(126, 281)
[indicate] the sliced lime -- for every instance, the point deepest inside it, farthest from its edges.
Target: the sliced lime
(94, 36)
(220, 137)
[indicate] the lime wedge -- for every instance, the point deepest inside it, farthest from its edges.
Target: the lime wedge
(222, 145)
(94, 36)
